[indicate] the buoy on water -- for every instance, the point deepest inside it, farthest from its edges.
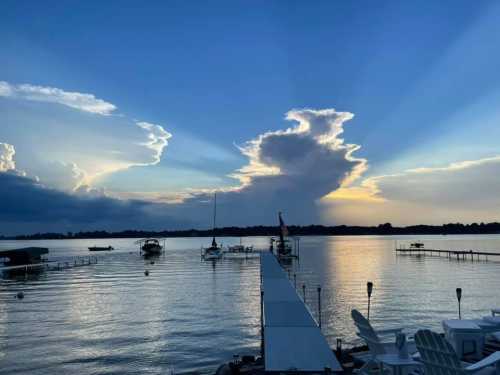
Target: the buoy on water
(20, 295)
(146, 273)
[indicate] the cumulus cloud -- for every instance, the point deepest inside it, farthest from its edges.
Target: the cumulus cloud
(290, 170)
(93, 147)
(7, 153)
(81, 101)
(309, 152)
(465, 191)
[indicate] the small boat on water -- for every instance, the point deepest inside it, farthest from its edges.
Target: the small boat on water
(101, 248)
(417, 245)
(213, 252)
(151, 246)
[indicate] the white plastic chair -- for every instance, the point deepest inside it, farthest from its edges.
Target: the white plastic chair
(374, 341)
(439, 357)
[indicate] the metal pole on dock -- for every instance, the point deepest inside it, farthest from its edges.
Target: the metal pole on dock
(369, 289)
(319, 305)
(295, 281)
(459, 297)
(304, 292)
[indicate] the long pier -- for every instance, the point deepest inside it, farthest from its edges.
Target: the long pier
(452, 254)
(291, 338)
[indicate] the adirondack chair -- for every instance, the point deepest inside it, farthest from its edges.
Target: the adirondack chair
(373, 338)
(439, 357)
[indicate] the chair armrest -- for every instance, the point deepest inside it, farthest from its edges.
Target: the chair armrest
(488, 361)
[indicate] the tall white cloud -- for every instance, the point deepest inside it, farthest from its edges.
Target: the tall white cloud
(309, 152)
(7, 153)
(288, 170)
(77, 100)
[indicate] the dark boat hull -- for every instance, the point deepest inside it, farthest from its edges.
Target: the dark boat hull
(150, 250)
(96, 248)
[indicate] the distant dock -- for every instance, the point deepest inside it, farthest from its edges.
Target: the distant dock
(52, 265)
(451, 254)
(31, 260)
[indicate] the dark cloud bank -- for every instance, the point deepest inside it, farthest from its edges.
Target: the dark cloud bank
(29, 207)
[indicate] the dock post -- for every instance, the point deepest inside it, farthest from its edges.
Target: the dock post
(339, 347)
(319, 305)
(304, 292)
(369, 290)
(295, 281)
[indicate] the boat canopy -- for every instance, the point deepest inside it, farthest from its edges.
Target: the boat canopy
(26, 255)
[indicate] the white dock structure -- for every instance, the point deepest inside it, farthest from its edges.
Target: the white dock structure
(292, 339)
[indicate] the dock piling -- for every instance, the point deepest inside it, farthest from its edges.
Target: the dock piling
(459, 297)
(369, 289)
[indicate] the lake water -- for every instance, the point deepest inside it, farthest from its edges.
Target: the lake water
(189, 315)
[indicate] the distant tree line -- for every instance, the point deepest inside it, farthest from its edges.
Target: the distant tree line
(294, 230)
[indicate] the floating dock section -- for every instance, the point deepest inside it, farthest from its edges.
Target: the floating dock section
(292, 340)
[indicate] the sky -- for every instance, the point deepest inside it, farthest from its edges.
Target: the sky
(127, 115)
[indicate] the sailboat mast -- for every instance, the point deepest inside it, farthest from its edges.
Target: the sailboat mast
(214, 244)
(215, 210)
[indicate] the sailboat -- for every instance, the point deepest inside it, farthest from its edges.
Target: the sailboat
(214, 251)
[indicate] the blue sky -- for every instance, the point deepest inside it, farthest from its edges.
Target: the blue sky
(420, 78)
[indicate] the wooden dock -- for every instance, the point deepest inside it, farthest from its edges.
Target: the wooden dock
(451, 254)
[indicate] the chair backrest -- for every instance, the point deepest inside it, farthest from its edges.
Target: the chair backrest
(437, 354)
(367, 333)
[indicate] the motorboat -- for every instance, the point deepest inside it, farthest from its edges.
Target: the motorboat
(101, 248)
(151, 246)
